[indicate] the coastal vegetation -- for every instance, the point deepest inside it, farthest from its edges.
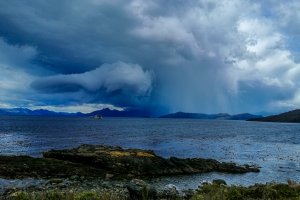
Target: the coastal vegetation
(208, 191)
(216, 191)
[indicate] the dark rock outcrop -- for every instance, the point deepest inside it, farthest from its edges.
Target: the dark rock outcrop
(108, 162)
(18, 167)
(136, 162)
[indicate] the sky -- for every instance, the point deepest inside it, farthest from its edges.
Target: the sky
(162, 56)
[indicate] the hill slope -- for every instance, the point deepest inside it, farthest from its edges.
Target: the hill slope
(243, 116)
(39, 112)
(104, 112)
(119, 113)
(291, 116)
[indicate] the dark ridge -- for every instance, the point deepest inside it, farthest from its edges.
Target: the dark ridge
(290, 117)
(120, 113)
(220, 116)
(39, 112)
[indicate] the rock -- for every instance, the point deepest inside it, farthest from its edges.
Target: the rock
(139, 189)
(171, 187)
(12, 167)
(101, 161)
(74, 177)
(138, 182)
(137, 162)
(219, 182)
(204, 182)
(108, 176)
(9, 191)
(15, 194)
(169, 192)
(56, 180)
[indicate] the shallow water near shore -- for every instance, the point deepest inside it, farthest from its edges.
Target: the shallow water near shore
(273, 146)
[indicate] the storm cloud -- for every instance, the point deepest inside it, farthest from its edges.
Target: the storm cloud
(116, 83)
(165, 56)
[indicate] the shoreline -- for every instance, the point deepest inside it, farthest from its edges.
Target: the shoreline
(112, 173)
(138, 189)
(98, 166)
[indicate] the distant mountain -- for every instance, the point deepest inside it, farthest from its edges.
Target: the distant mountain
(244, 116)
(196, 115)
(117, 113)
(104, 112)
(123, 113)
(39, 112)
(291, 116)
(224, 116)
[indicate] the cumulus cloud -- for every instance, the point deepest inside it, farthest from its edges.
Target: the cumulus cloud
(269, 69)
(197, 56)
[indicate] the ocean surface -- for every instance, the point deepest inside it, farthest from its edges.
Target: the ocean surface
(275, 147)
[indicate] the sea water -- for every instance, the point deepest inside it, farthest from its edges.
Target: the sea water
(275, 147)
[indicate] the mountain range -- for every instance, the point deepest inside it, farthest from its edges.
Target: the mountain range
(39, 112)
(291, 116)
(120, 113)
(42, 112)
(123, 113)
(220, 116)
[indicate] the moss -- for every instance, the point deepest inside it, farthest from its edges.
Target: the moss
(124, 153)
(119, 153)
(144, 154)
(20, 196)
(87, 196)
(66, 195)
(198, 197)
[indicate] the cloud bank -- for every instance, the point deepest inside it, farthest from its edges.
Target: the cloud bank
(164, 56)
(118, 83)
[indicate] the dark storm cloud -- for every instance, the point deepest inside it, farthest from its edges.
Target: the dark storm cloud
(258, 94)
(71, 36)
(119, 83)
(198, 56)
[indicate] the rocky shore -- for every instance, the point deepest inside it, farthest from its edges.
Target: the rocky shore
(138, 189)
(105, 168)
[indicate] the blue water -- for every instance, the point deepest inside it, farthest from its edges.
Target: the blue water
(273, 146)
